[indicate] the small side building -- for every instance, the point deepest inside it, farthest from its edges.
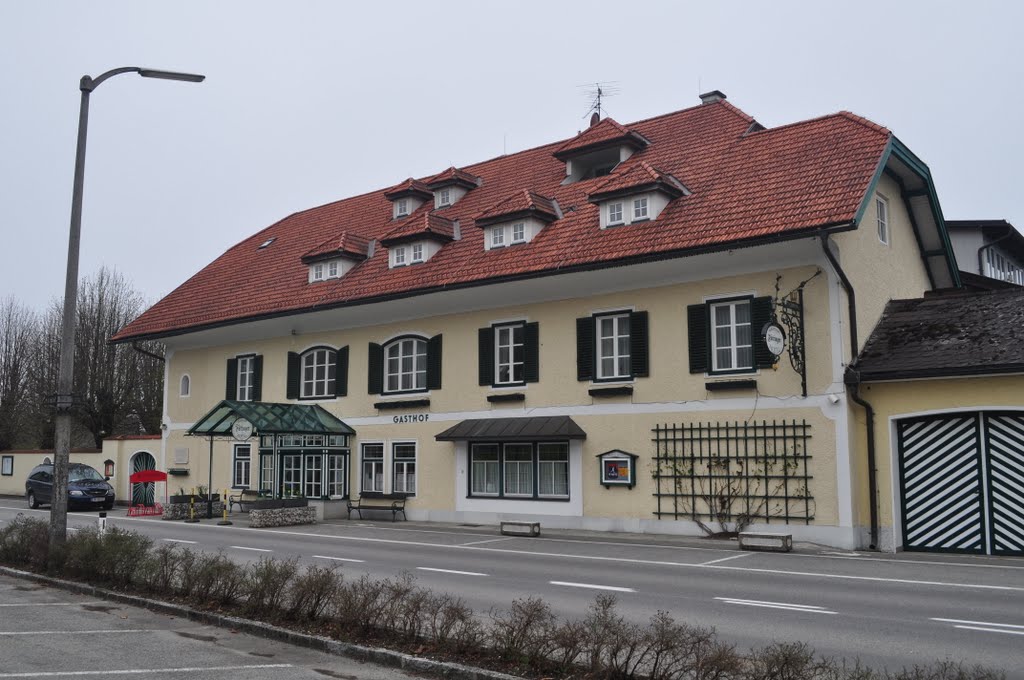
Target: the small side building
(943, 380)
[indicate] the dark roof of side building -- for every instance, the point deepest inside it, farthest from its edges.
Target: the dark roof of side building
(956, 334)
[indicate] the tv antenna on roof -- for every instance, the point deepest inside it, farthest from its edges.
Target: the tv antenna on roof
(597, 92)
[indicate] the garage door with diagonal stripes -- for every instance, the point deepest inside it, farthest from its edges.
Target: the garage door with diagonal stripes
(962, 482)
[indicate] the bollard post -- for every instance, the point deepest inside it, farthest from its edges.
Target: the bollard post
(192, 508)
(102, 523)
(224, 510)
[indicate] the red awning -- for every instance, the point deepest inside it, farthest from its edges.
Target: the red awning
(148, 476)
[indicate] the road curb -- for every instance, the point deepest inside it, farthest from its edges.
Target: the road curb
(377, 655)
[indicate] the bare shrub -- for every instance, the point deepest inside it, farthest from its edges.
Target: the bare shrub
(360, 603)
(269, 581)
(212, 577)
(311, 592)
(614, 646)
(568, 643)
(159, 571)
(523, 632)
(24, 541)
(112, 557)
(947, 670)
(784, 661)
(446, 619)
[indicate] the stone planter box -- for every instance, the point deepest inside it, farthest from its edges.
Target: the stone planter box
(281, 517)
(184, 498)
(180, 510)
(275, 503)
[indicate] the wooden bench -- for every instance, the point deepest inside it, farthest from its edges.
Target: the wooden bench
(766, 541)
(243, 499)
(372, 500)
(520, 528)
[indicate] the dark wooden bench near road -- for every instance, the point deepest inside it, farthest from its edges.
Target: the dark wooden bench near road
(374, 500)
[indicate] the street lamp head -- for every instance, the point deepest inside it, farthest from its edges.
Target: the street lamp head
(171, 75)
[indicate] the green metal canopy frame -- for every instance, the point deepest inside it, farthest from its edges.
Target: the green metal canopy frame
(268, 418)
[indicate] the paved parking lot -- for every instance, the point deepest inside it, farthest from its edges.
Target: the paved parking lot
(51, 633)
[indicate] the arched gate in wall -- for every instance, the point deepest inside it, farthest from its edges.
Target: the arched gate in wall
(143, 494)
(961, 481)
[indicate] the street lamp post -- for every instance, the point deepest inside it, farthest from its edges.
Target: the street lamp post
(65, 376)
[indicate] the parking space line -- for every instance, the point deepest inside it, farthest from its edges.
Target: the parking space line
(724, 559)
(142, 671)
(452, 571)
(489, 540)
(179, 540)
(592, 586)
(242, 547)
(71, 632)
(337, 559)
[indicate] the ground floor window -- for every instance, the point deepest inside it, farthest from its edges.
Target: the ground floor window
(336, 476)
(267, 474)
(314, 486)
(534, 470)
(404, 460)
(373, 468)
(291, 476)
(242, 461)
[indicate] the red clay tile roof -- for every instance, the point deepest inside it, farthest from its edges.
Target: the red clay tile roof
(519, 204)
(636, 176)
(605, 133)
(409, 187)
(346, 244)
(422, 223)
(452, 177)
(765, 184)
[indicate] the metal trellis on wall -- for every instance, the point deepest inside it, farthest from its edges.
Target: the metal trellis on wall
(733, 473)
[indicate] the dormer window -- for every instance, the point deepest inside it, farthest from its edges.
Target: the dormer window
(444, 198)
(407, 197)
(598, 150)
(519, 232)
(640, 208)
(402, 207)
(318, 272)
(645, 190)
(517, 219)
(336, 256)
(417, 252)
(398, 256)
(450, 186)
(615, 213)
(497, 236)
(332, 269)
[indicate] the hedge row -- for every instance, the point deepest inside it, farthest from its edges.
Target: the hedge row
(526, 638)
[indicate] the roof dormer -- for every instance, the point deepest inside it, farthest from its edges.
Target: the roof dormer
(637, 195)
(407, 197)
(517, 219)
(596, 151)
(418, 239)
(333, 258)
(451, 185)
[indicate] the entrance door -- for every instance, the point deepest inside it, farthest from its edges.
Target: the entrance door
(142, 493)
(962, 483)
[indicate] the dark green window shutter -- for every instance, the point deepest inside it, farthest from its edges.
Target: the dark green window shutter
(531, 352)
(485, 359)
(257, 378)
(294, 376)
(341, 372)
(585, 348)
(434, 363)
(760, 314)
(698, 330)
(375, 368)
(231, 390)
(638, 345)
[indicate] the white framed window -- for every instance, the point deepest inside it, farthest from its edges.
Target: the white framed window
(267, 474)
(402, 207)
(314, 477)
(399, 256)
(444, 198)
(508, 354)
(335, 476)
(7, 466)
(241, 466)
(372, 474)
(518, 232)
(484, 470)
(613, 357)
(615, 213)
(731, 338)
(497, 236)
(185, 386)
(332, 269)
(403, 460)
(405, 365)
(553, 470)
(244, 382)
(882, 213)
(318, 272)
(318, 373)
(640, 208)
(518, 470)
(417, 252)
(291, 475)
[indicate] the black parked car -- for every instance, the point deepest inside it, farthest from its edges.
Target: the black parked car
(86, 487)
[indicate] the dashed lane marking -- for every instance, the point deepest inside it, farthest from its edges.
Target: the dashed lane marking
(71, 632)
(592, 586)
(337, 559)
(724, 559)
(452, 571)
(985, 626)
(789, 606)
(242, 547)
(179, 540)
(142, 671)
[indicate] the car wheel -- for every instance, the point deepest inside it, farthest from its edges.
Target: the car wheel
(32, 502)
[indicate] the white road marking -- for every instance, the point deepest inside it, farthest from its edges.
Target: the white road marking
(992, 630)
(490, 540)
(337, 559)
(452, 571)
(592, 586)
(142, 671)
(47, 604)
(724, 559)
(242, 547)
(981, 623)
(789, 606)
(71, 632)
(179, 540)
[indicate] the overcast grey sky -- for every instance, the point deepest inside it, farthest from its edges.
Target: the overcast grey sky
(309, 102)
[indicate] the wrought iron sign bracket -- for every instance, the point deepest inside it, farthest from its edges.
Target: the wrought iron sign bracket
(788, 309)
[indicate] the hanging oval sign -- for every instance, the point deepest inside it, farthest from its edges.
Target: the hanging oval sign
(774, 338)
(241, 429)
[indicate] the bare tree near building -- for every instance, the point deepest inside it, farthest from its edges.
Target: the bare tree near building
(18, 331)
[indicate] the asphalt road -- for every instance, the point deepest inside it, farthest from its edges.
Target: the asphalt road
(889, 611)
(50, 633)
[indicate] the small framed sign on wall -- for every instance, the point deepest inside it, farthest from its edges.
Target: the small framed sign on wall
(7, 466)
(618, 468)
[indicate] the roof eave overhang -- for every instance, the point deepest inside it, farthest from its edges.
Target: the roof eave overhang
(418, 236)
(536, 213)
(320, 257)
(941, 372)
(815, 231)
(657, 185)
(452, 182)
(407, 192)
(632, 139)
